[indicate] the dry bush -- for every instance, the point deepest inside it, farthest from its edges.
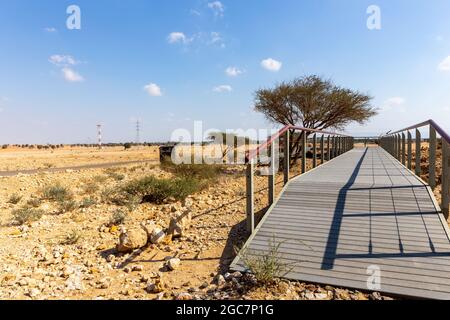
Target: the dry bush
(15, 198)
(118, 217)
(25, 215)
(68, 205)
(265, 266)
(34, 202)
(71, 238)
(90, 188)
(56, 192)
(88, 202)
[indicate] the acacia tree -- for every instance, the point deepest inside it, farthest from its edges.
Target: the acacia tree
(313, 102)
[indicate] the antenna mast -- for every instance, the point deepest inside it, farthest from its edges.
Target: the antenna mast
(99, 136)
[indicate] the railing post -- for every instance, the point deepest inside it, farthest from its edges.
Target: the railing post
(328, 149)
(403, 149)
(250, 197)
(409, 151)
(390, 146)
(304, 146)
(272, 172)
(418, 141)
(394, 146)
(399, 149)
(339, 145)
(314, 151)
(432, 158)
(445, 178)
(322, 149)
(287, 157)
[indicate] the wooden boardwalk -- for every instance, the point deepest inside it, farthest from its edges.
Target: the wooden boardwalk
(359, 213)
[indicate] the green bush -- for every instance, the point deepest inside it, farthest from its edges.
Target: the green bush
(151, 189)
(56, 192)
(26, 215)
(15, 198)
(201, 171)
(266, 266)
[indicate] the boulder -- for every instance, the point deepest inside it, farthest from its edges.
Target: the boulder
(132, 239)
(173, 263)
(154, 232)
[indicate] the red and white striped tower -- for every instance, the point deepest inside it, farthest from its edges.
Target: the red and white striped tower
(99, 136)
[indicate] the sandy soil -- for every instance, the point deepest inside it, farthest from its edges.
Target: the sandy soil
(13, 159)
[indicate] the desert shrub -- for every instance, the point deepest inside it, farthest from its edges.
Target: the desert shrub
(56, 192)
(15, 198)
(88, 202)
(199, 171)
(67, 205)
(127, 146)
(33, 202)
(26, 215)
(90, 188)
(116, 176)
(266, 266)
(99, 179)
(118, 217)
(71, 238)
(155, 190)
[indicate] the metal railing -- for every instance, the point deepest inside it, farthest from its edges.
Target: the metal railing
(332, 146)
(399, 145)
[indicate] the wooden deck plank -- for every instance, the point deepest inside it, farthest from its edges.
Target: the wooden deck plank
(363, 208)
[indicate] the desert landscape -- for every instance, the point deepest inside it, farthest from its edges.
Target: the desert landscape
(75, 234)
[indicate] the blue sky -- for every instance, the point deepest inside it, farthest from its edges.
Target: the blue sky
(165, 63)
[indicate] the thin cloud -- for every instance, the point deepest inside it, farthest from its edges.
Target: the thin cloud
(223, 88)
(394, 103)
(233, 71)
(177, 37)
(271, 64)
(217, 7)
(153, 90)
(444, 65)
(62, 60)
(50, 29)
(71, 75)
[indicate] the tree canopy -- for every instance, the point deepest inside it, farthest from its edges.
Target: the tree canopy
(314, 102)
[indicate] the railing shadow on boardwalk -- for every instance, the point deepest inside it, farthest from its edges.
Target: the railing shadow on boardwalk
(333, 236)
(330, 254)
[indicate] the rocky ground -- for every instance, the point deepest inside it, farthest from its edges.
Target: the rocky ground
(80, 254)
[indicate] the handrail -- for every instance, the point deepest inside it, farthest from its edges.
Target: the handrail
(399, 145)
(431, 122)
(255, 152)
(335, 145)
